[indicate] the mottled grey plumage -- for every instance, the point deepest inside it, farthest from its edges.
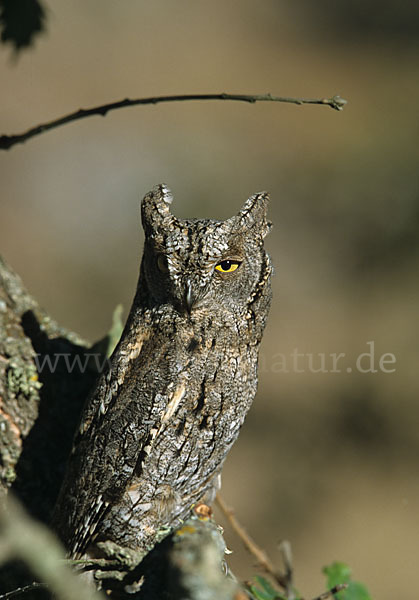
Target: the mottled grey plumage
(155, 432)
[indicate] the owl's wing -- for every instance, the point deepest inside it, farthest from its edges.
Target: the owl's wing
(114, 430)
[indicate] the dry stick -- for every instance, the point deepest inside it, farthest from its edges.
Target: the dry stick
(7, 141)
(260, 555)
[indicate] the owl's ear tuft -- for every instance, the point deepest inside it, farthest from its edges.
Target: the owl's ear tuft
(253, 215)
(155, 209)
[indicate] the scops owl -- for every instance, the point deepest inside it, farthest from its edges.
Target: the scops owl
(157, 428)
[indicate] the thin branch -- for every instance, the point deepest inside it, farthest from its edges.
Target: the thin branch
(332, 592)
(259, 554)
(7, 141)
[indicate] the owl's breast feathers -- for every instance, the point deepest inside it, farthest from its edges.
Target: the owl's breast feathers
(164, 414)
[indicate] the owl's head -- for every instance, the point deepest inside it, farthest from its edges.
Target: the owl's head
(197, 264)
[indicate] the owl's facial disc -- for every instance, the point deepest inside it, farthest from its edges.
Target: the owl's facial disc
(194, 293)
(203, 265)
(200, 264)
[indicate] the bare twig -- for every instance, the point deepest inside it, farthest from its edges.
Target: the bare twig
(332, 592)
(7, 141)
(262, 559)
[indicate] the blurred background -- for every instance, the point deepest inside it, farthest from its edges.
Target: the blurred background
(327, 460)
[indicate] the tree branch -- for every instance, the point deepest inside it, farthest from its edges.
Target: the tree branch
(186, 564)
(23, 538)
(7, 141)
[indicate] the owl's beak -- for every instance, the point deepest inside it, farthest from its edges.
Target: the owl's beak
(189, 297)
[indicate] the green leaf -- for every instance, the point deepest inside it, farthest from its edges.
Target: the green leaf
(266, 591)
(338, 573)
(355, 591)
(259, 594)
(266, 586)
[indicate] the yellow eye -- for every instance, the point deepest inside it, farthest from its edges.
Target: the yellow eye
(162, 263)
(227, 266)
